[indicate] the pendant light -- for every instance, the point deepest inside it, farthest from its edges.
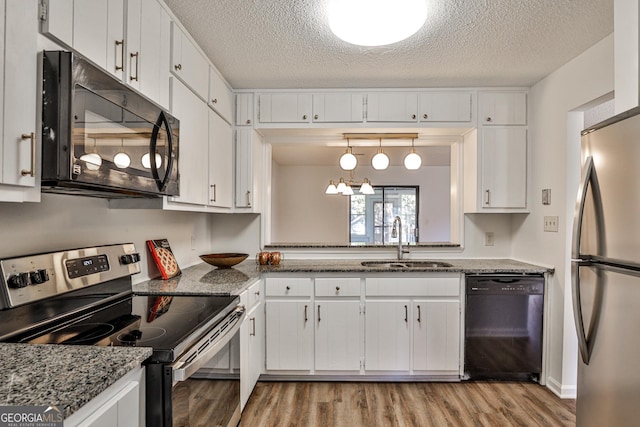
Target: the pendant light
(348, 191)
(348, 160)
(92, 160)
(376, 22)
(342, 186)
(412, 161)
(366, 187)
(331, 188)
(380, 161)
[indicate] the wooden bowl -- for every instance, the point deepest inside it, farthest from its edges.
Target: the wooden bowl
(223, 260)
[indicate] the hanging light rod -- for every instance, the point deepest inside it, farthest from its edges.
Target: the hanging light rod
(380, 136)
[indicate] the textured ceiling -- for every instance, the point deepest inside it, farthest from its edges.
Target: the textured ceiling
(288, 43)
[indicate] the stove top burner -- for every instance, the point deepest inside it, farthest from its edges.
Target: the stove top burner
(87, 333)
(141, 336)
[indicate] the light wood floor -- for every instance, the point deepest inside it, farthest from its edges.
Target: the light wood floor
(310, 404)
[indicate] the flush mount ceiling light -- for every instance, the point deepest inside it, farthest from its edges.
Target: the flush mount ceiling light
(348, 160)
(380, 161)
(412, 161)
(376, 22)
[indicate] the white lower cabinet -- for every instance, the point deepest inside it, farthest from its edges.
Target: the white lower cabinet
(436, 335)
(388, 336)
(337, 336)
(252, 335)
(120, 405)
(289, 335)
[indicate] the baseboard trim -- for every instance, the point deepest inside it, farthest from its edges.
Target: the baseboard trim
(562, 391)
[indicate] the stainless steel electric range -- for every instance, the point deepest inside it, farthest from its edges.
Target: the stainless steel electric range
(84, 297)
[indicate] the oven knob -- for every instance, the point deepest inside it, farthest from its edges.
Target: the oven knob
(130, 258)
(19, 280)
(39, 276)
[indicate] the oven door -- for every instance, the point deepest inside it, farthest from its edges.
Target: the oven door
(168, 397)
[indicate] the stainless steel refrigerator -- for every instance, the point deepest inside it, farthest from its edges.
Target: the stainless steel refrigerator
(605, 273)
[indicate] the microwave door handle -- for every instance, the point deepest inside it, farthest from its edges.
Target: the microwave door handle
(162, 183)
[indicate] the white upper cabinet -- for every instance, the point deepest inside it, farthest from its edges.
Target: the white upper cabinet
(285, 108)
(442, 106)
(57, 20)
(338, 108)
(220, 96)
(18, 156)
(188, 64)
(244, 109)
(504, 167)
(249, 172)
(220, 162)
(503, 108)
(392, 107)
(147, 55)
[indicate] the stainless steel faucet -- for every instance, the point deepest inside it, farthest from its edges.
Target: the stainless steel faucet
(396, 231)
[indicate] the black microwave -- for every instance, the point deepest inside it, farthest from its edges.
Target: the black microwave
(101, 138)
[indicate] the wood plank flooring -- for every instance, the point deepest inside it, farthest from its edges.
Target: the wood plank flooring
(350, 404)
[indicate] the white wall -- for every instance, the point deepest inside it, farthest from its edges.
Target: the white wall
(555, 142)
(306, 214)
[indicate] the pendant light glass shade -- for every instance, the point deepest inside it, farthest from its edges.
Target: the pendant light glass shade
(348, 160)
(412, 161)
(331, 188)
(376, 22)
(348, 191)
(146, 160)
(93, 161)
(366, 187)
(380, 161)
(342, 186)
(122, 160)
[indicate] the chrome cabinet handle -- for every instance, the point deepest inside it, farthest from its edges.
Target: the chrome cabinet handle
(425, 116)
(318, 313)
(137, 56)
(178, 67)
(215, 192)
(31, 172)
(406, 314)
(419, 315)
(487, 200)
(249, 198)
(306, 318)
(253, 323)
(121, 44)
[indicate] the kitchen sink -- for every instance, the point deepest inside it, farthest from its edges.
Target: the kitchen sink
(406, 264)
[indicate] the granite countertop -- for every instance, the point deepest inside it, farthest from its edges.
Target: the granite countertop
(204, 279)
(60, 375)
(467, 266)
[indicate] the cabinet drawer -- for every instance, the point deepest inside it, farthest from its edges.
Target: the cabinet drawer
(287, 287)
(251, 296)
(338, 287)
(442, 285)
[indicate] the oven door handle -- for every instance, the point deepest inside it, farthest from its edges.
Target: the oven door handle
(187, 365)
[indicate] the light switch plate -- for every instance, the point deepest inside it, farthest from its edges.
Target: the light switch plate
(551, 223)
(488, 238)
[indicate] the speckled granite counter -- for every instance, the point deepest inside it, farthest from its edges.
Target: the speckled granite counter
(204, 279)
(467, 266)
(60, 375)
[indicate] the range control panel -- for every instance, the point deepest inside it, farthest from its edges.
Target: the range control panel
(34, 277)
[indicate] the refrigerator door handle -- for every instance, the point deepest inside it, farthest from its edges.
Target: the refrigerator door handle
(583, 346)
(588, 176)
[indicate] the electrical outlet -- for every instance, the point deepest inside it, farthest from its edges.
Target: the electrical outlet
(488, 238)
(551, 223)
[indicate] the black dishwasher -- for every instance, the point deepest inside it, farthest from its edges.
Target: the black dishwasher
(503, 327)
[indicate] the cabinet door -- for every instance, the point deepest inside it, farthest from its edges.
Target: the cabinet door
(504, 167)
(253, 354)
(220, 96)
(134, 43)
(285, 108)
(193, 149)
(436, 335)
(338, 108)
(188, 63)
(244, 168)
(58, 20)
(289, 336)
(387, 338)
(120, 411)
(220, 162)
(503, 108)
(244, 109)
(392, 107)
(20, 97)
(115, 51)
(337, 335)
(445, 106)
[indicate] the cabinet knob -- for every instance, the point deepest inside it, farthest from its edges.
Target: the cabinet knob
(488, 119)
(288, 288)
(425, 116)
(178, 67)
(248, 121)
(304, 117)
(413, 116)
(315, 117)
(337, 288)
(214, 101)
